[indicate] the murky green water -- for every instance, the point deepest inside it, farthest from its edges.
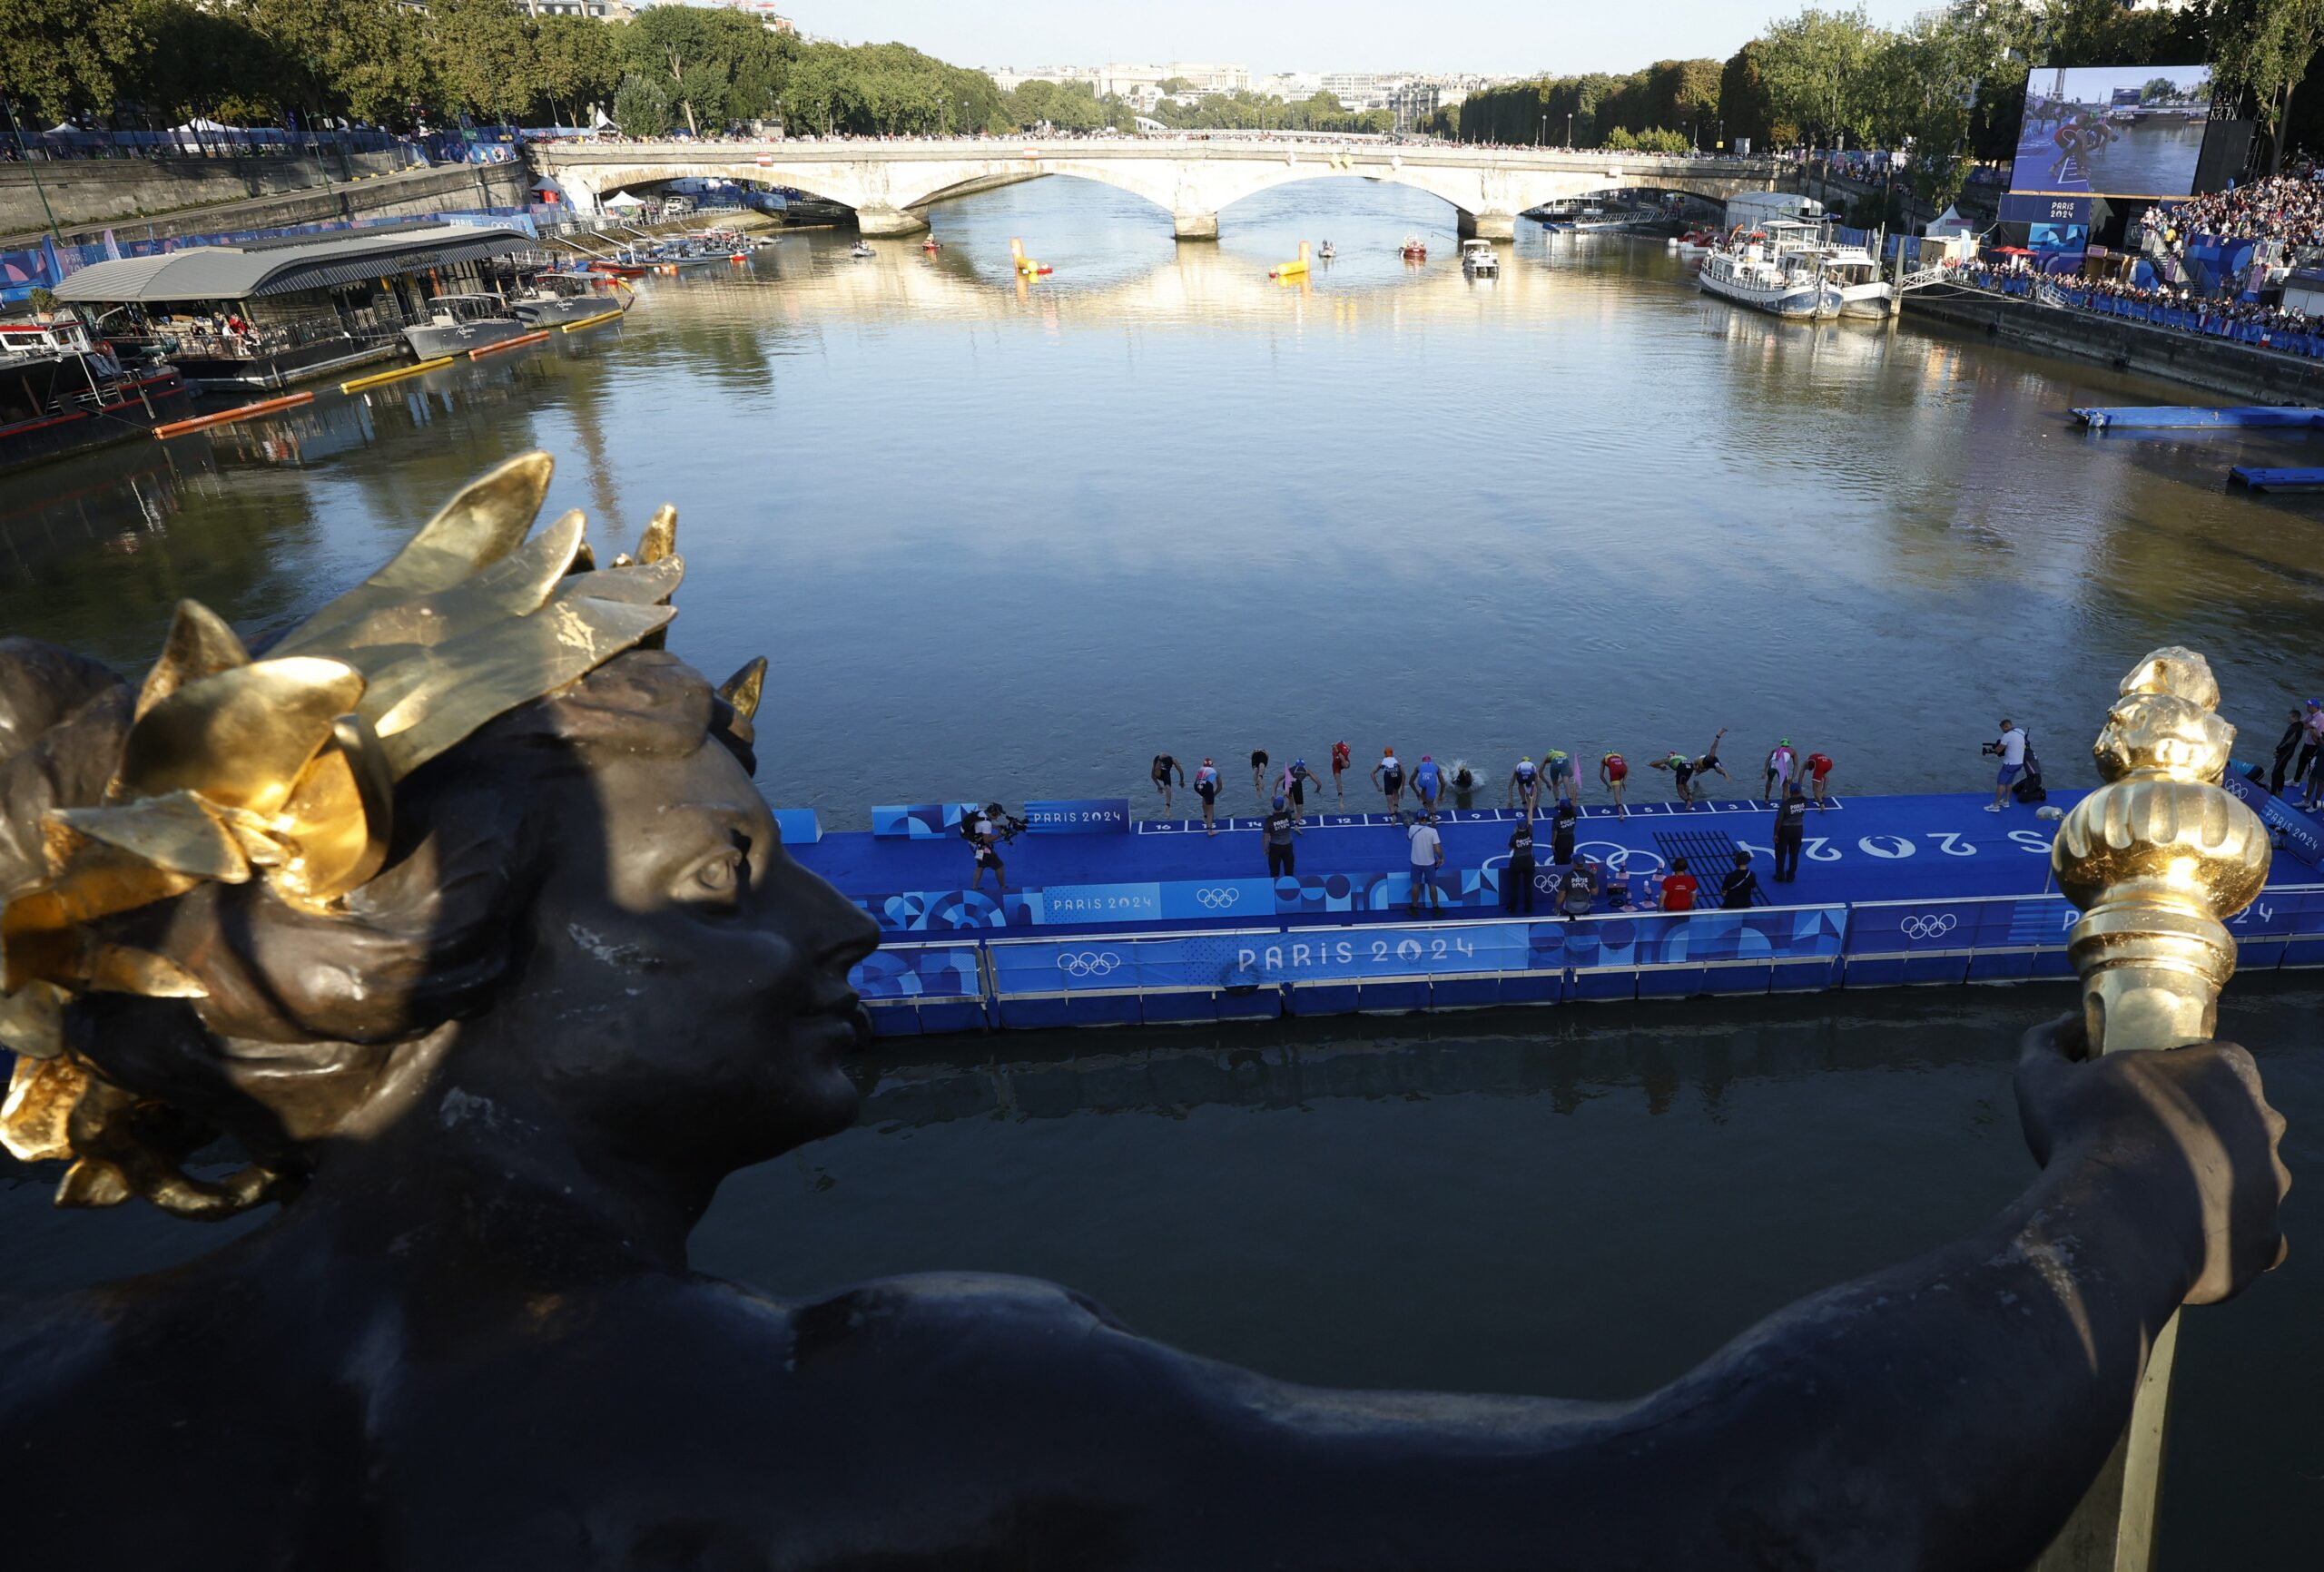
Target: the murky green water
(1004, 541)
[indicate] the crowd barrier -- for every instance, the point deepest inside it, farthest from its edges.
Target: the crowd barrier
(968, 984)
(2209, 322)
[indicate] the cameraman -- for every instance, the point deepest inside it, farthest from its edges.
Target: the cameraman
(985, 829)
(2009, 748)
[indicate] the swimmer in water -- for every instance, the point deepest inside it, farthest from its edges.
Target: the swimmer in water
(1259, 775)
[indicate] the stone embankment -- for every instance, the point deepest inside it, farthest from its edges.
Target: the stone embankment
(179, 196)
(2244, 373)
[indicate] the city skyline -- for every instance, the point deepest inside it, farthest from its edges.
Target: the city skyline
(1492, 37)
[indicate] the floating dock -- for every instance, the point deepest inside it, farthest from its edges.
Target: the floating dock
(2259, 479)
(1111, 922)
(2171, 417)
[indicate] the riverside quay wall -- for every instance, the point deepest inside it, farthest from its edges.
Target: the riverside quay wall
(173, 196)
(2242, 372)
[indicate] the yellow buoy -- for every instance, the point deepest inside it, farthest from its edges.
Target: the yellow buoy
(1295, 269)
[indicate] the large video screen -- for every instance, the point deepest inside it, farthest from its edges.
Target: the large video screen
(2126, 130)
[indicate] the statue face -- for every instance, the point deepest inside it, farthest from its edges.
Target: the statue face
(684, 986)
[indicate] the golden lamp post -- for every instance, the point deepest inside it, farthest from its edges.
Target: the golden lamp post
(2157, 858)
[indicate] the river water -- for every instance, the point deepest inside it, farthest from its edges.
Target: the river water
(1011, 540)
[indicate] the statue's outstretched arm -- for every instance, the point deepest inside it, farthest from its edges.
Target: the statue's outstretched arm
(1946, 1412)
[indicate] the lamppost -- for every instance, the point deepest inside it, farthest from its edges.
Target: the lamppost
(1569, 131)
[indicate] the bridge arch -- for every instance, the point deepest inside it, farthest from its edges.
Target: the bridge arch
(890, 185)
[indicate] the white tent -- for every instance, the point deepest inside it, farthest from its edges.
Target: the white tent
(622, 200)
(200, 124)
(1950, 225)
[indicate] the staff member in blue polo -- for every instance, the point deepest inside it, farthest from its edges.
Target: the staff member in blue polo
(1428, 856)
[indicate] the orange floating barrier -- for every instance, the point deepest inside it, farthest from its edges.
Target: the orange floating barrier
(534, 336)
(228, 417)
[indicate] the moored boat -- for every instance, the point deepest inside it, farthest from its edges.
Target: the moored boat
(1757, 269)
(1477, 260)
(62, 391)
(1415, 248)
(455, 323)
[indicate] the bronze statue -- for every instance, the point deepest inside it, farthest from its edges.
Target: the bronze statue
(460, 913)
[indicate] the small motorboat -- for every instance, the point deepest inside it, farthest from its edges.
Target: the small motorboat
(1327, 253)
(1415, 248)
(1477, 260)
(931, 244)
(1695, 244)
(861, 249)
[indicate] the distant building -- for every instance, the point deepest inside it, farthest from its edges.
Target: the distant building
(763, 12)
(598, 10)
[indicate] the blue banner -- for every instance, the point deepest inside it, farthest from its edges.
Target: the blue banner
(798, 826)
(1230, 960)
(1079, 816)
(2294, 831)
(1936, 927)
(919, 822)
(2018, 208)
(916, 972)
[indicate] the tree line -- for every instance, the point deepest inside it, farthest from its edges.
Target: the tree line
(1947, 85)
(152, 63)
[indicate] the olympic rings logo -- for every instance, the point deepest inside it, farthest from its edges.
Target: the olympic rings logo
(1936, 927)
(1219, 898)
(1088, 963)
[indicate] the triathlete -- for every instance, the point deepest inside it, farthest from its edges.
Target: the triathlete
(1684, 769)
(1389, 776)
(1525, 782)
(1464, 782)
(1294, 785)
(1341, 757)
(1207, 787)
(1612, 771)
(1782, 762)
(1819, 766)
(1560, 766)
(1428, 783)
(1162, 768)
(1259, 775)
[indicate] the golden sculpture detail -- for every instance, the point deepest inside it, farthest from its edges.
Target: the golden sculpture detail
(283, 769)
(2157, 858)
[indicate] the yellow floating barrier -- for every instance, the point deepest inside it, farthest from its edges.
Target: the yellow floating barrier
(591, 322)
(1295, 270)
(396, 375)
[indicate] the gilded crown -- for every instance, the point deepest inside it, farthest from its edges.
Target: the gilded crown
(283, 769)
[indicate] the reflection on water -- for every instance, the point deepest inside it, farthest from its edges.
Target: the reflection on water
(1158, 501)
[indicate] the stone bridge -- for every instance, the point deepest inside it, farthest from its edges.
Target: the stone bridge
(890, 184)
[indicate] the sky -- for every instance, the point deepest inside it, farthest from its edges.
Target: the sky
(1495, 37)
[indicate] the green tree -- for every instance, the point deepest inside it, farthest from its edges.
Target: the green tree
(60, 56)
(577, 65)
(486, 57)
(642, 108)
(362, 58)
(1816, 66)
(1745, 108)
(2263, 48)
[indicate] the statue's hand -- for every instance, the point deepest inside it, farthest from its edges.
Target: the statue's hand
(2192, 1125)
